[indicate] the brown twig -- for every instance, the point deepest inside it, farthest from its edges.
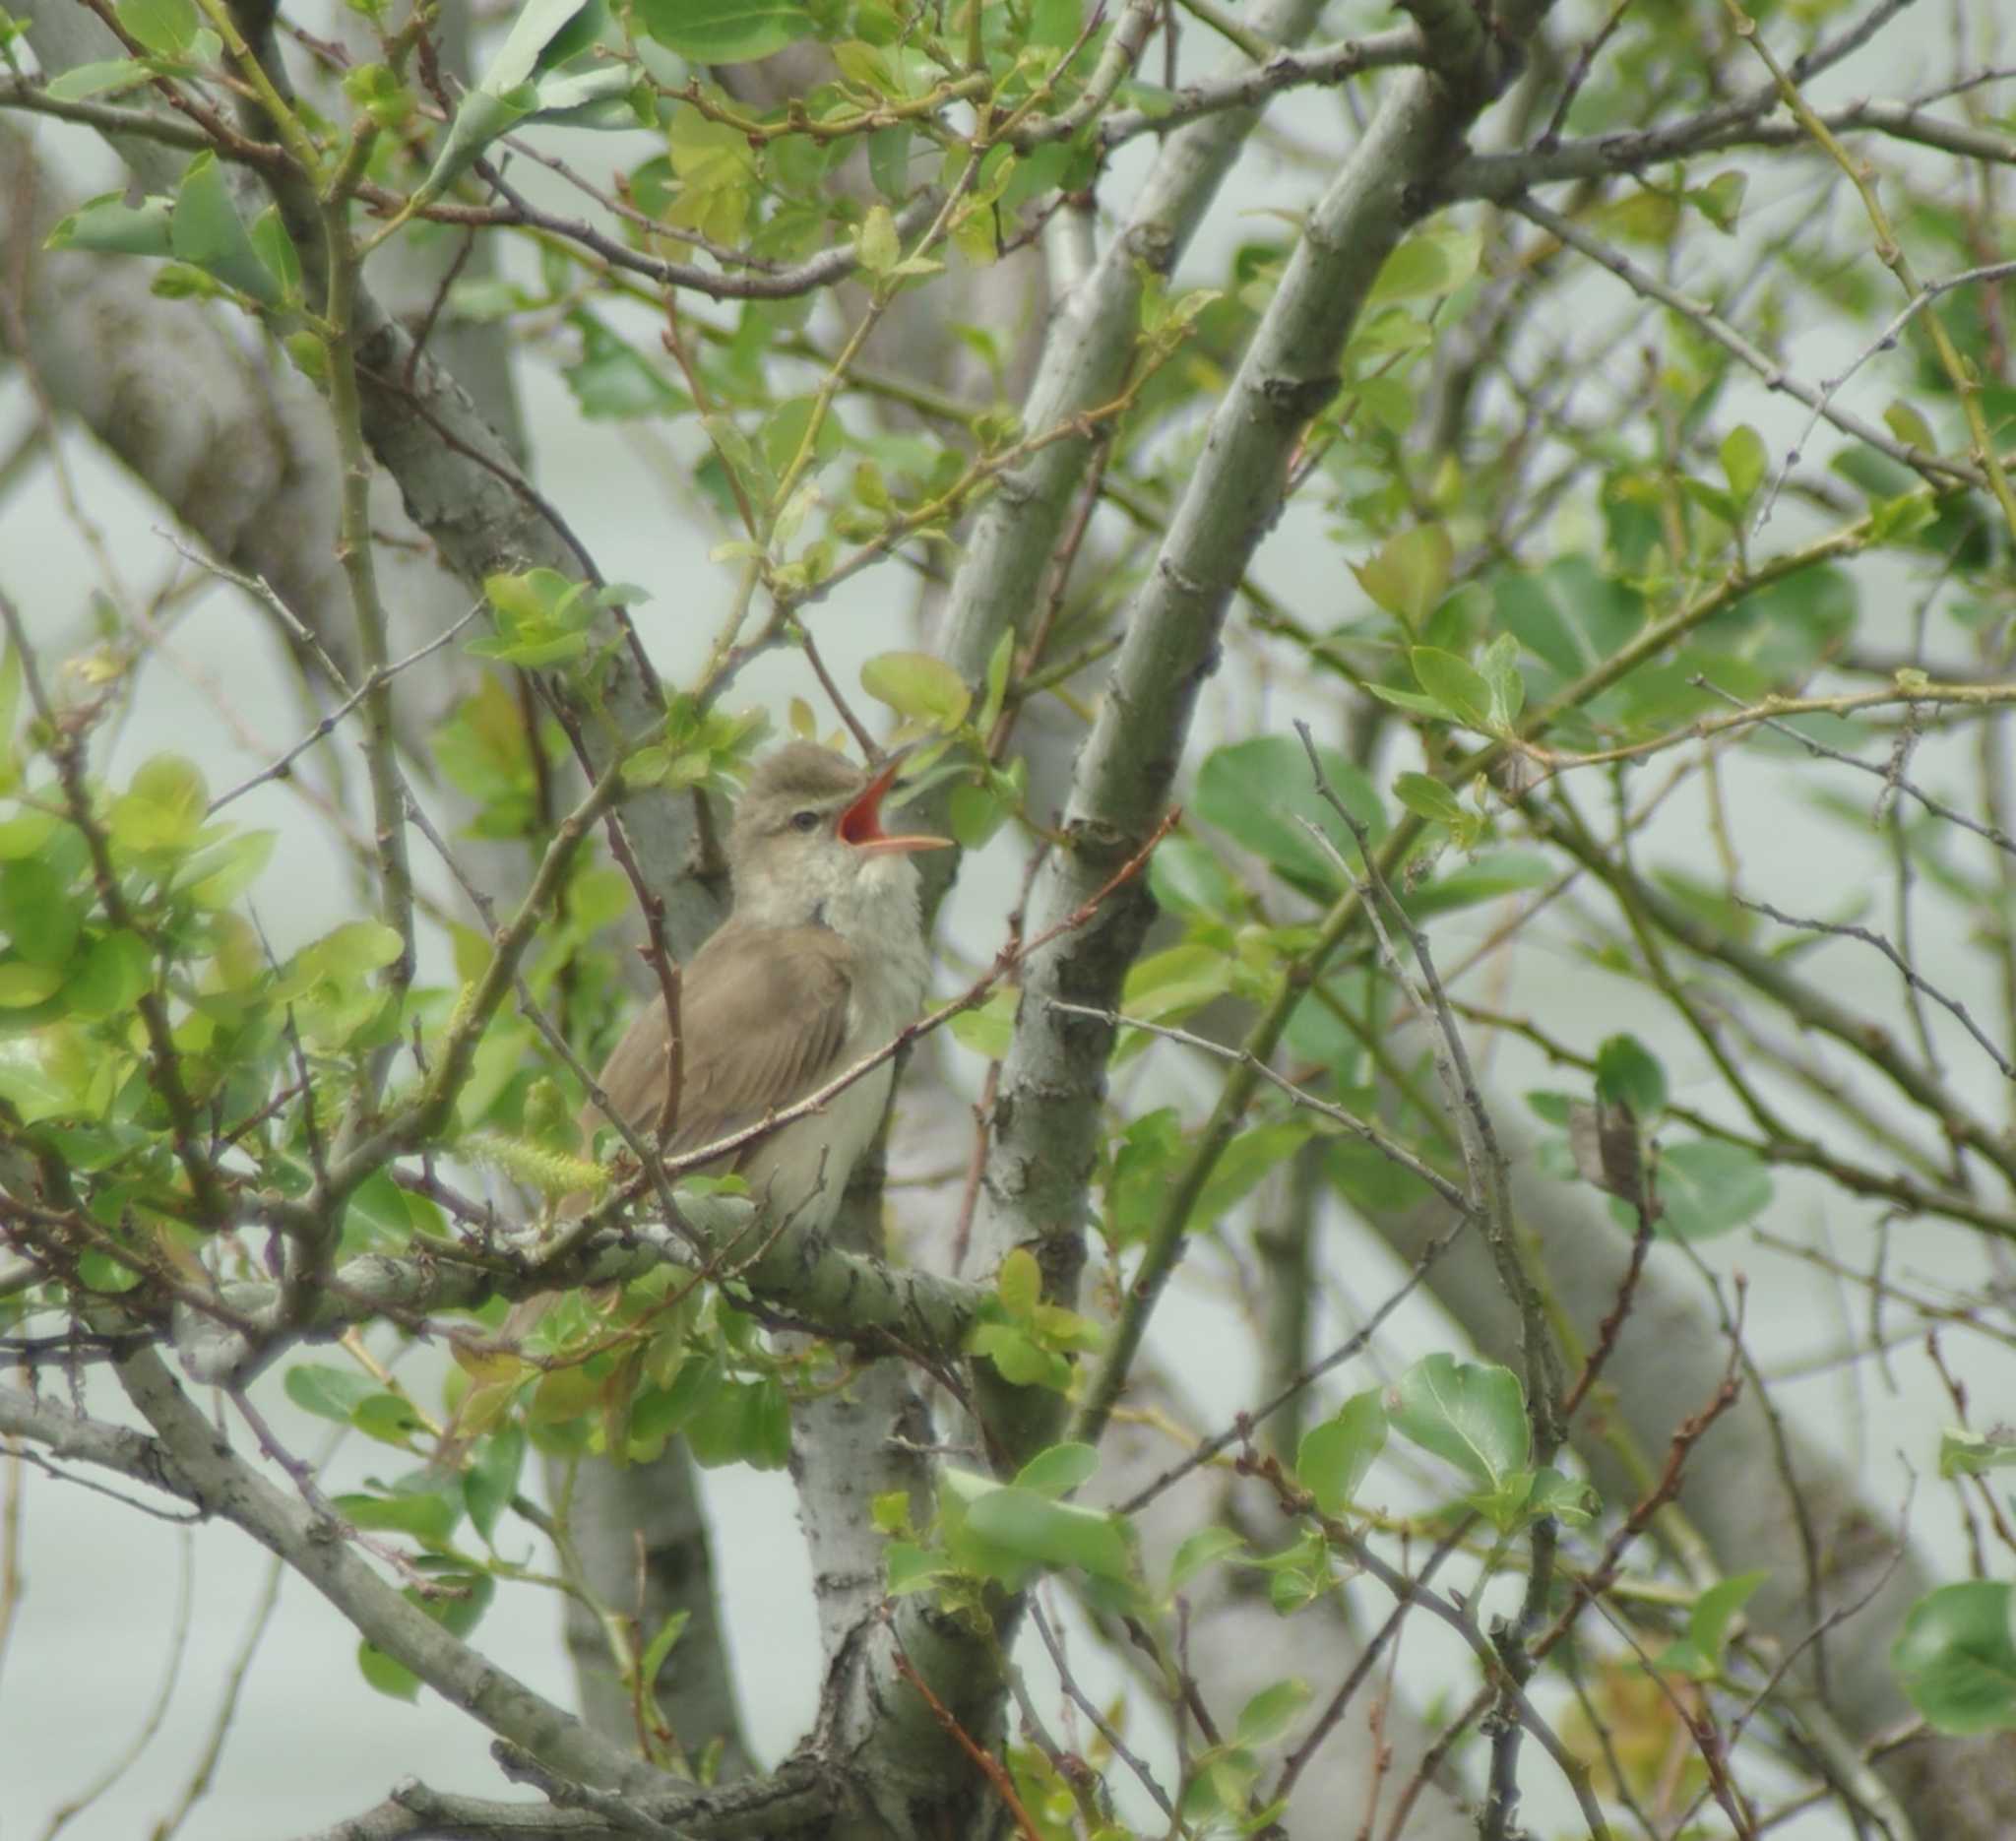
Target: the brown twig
(984, 1762)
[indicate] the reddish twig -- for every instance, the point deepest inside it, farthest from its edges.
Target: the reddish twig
(988, 1765)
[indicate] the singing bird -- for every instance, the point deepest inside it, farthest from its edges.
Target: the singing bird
(821, 962)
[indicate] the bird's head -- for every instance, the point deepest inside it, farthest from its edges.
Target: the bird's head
(808, 838)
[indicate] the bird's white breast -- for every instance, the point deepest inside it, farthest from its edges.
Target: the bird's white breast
(876, 913)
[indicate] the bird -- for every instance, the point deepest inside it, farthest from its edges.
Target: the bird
(821, 961)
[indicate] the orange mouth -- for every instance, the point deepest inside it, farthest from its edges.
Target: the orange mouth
(861, 823)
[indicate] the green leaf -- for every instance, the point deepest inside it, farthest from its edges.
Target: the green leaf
(1007, 1532)
(1020, 1284)
(1721, 200)
(386, 1417)
(353, 949)
(75, 84)
(492, 1479)
(1964, 1453)
(1955, 1658)
(725, 32)
(1627, 1074)
(917, 686)
(545, 34)
(1744, 462)
(1715, 1610)
(889, 161)
(205, 231)
(976, 813)
(1256, 791)
(1487, 879)
(1409, 575)
(108, 225)
(876, 241)
(1430, 798)
(387, 1675)
(116, 967)
(167, 28)
(1428, 264)
(989, 1030)
(784, 433)
(216, 876)
(36, 912)
(162, 807)
(1270, 1712)
(660, 1647)
(328, 1392)
(427, 1515)
(1206, 1548)
(1336, 1455)
(1706, 1187)
(1060, 1469)
(23, 985)
(614, 382)
(1473, 1414)
(28, 1086)
(1459, 689)
(1021, 1362)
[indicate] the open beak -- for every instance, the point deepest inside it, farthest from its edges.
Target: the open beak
(861, 823)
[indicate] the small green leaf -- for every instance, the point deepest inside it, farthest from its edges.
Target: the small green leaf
(989, 1030)
(660, 1647)
(1744, 462)
(1336, 1455)
(917, 686)
(205, 229)
(889, 161)
(1473, 1414)
(1058, 1471)
(1020, 1284)
(1457, 686)
(1964, 1453)
(1409, 575)
(1955, 1658)
(492, 1479)
(1429, 264)
(725, 32)
(1206, 1548)
(1017, 1523)
(429, 1516)
(1257, 791)
(75, 84)
(1265, 1717)
(387, 1675)
(386, 1417)
(1715, 1610)
(36, 912)
(328, 1392)
(1706, 1187)
(1430, 798)
(1627, 1074)
(876, 241)
(116, 969)
(162, 807)
(1021, 1361)
(167, 28)
(1908, 426)
(23, 985)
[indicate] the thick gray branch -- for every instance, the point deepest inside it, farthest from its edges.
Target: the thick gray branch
(1046, 1123)
(846, 1295)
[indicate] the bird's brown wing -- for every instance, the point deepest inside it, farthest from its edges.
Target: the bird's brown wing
(763, 1016)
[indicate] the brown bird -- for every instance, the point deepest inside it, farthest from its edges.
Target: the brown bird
(821, 962)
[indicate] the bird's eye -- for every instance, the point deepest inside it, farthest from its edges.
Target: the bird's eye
(805, 821)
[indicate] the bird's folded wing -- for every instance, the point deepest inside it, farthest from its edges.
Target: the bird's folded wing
(763, 1018)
